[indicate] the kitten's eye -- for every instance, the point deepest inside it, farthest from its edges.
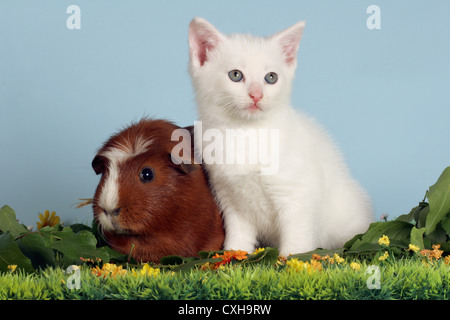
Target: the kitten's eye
(146, 175)
(235, 75)
(271, 77)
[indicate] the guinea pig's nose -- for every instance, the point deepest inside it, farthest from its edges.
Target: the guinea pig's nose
(113, 212)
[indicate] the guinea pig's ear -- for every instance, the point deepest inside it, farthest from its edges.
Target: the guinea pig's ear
(181, 165)
(99, 164)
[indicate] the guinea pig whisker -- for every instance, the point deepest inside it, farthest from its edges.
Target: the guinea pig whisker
(101, 232)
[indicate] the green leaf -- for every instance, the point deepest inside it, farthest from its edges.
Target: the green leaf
(33, 246)
(446, 225)
(171, 260)
(76, 227)
(417, 237)
(395, 230)
(8, 222)
(365, 248)
(72, 245)
(439, 199)
(422, 217)
(209, 254)
(445, 246)
(422, 211)
(109, 254)
(184, 267)
(438, 235)
(408, 217)
(10, 254)
(415, 213)
(268, 256)
(350, 242)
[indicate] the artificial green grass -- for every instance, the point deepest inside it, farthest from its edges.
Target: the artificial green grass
(400, 280)
(261, 276)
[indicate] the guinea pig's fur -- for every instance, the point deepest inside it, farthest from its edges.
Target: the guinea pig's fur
(148, 205)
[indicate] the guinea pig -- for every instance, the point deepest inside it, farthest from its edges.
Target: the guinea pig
(148, 206)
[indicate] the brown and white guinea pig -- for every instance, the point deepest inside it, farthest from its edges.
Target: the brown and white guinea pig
(146, 200)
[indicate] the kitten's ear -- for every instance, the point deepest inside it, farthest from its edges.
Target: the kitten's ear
(289, 39)
(203, 37)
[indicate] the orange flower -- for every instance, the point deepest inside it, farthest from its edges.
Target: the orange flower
(437, 253)
(240, 255)
(433, 254)
(91, 262)
(327, 258)
(447, 260)
(228, 256)
(316, 265)
(315, 256)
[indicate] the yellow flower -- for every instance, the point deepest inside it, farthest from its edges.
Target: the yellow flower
(47, 219)
(146, 271)
(258, 250)
(338, 259)
(384, 256)
(384, 240)
(355, 266)
(12, 267)
(108, 269)
(297, 265)
(413, 248)
(149, 271)
(294, 263)
(207, 266)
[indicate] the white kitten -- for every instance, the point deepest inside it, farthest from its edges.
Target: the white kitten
(244, 82)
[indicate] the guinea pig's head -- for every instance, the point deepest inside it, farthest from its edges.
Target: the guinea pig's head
(135, 195)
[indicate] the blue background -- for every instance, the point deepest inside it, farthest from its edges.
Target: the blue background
(384, 95)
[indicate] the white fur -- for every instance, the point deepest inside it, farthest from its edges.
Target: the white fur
(311, 201)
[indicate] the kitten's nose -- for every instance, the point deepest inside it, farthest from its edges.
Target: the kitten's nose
(255, 96)
(255, 93)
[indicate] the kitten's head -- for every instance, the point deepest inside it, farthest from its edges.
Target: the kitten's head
(241, 76)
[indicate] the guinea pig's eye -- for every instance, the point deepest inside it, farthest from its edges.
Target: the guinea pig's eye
(235, 75)
(146, 175)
